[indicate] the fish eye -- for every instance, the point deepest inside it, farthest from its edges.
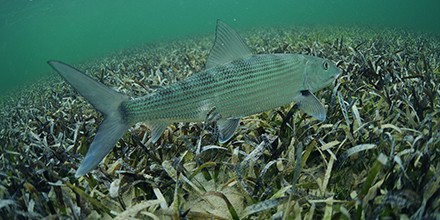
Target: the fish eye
(325, 65)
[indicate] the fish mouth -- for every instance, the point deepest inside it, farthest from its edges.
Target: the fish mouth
(334, 79)
(338, 74)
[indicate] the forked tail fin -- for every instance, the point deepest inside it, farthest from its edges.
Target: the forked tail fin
(105, 100)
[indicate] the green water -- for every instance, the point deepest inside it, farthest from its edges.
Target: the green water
(32, 32)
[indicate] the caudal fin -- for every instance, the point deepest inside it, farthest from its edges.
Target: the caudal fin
(105, 100)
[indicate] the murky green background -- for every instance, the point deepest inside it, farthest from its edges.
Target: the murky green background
(32, 32)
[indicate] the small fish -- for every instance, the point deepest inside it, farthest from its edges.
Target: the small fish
(234, 84)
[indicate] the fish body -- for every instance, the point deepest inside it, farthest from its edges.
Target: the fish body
(235, 83)
(240, 88)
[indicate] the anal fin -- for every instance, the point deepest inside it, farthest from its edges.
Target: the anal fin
(227, 128)
(157, 128)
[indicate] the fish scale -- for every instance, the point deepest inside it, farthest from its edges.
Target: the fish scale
(235, 83)
(246, 81)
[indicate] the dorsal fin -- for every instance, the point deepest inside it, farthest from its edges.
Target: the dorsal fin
(228, 46)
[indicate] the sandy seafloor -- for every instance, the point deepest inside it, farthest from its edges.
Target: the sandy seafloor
(376, 155)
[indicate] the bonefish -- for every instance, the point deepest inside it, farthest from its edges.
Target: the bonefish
(234, 84)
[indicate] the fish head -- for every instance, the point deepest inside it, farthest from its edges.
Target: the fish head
(319, 72)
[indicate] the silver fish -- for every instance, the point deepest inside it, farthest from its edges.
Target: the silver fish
(234, 84)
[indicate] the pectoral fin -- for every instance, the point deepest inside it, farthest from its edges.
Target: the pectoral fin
(227, 128)
(311, 105)
(157, 128)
